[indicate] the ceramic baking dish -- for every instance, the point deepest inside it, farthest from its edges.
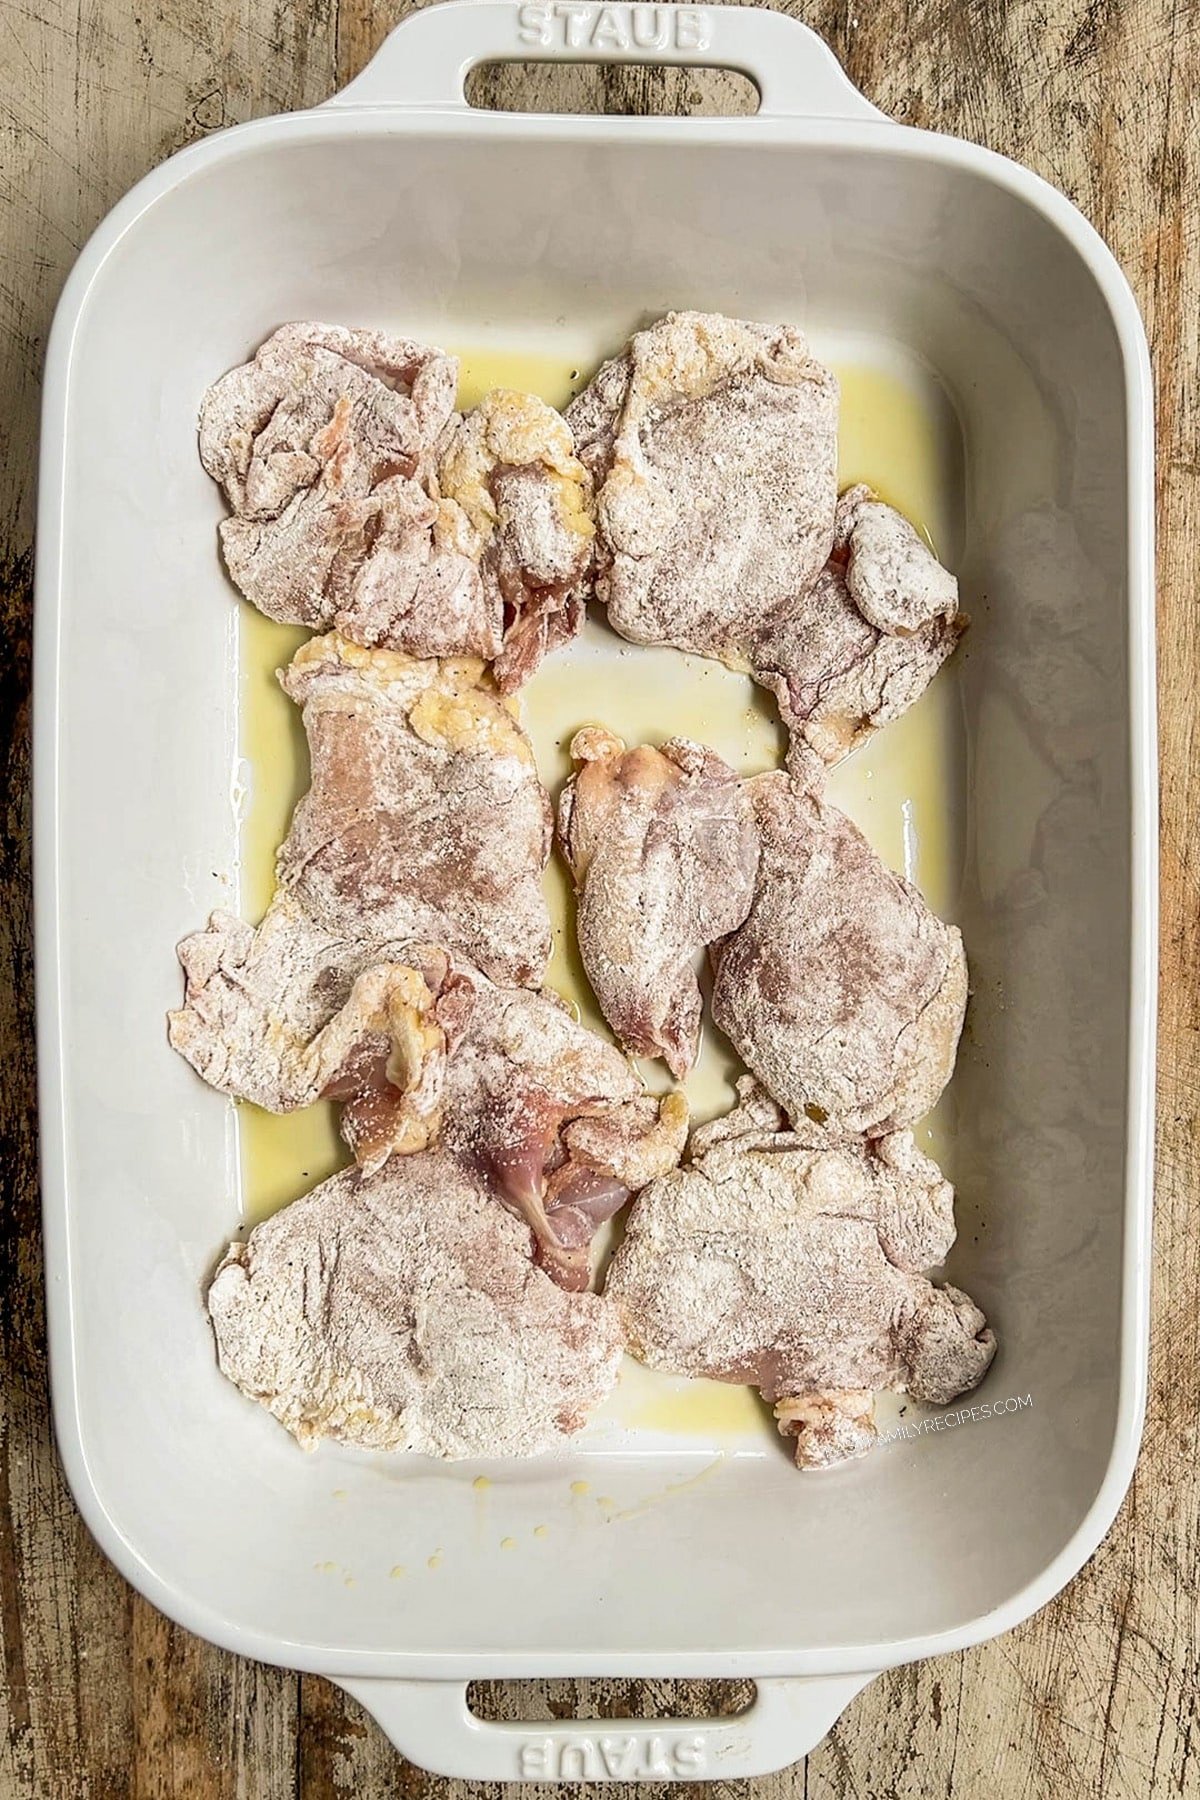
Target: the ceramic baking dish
(398, 205)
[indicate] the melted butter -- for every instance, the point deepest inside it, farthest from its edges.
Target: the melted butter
(720, 1412)
(274, 753)
(282, 1156)
(551, 378)
(905, 788)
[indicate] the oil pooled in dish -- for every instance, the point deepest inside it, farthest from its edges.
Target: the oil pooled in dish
(903, 790)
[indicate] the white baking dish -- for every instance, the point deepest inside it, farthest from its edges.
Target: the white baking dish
(398, 205)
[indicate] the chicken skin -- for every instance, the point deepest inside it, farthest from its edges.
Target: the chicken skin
(713, 447)
(325, 445)
(426, 825)
(663, 848)
(843, 993)
(555, 1117)
(290, 1013)
(362, 501)
(404, 1311)
(426, 820)
(859, 647)
(518, 503)
(775, 1258)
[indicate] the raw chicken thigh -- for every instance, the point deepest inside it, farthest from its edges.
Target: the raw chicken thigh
(325, 446)
(713, 447)
(426, 820)
(403, 1311)
(425, 824)
(554, 1116)
(290, 1013)
(843, 993)
(361, 500)
(858, 648)
(776, 1258)
(663, 848)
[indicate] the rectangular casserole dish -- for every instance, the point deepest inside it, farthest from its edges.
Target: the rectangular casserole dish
(398, 205)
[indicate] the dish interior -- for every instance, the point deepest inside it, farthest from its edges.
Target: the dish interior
(665, 1534)
(899, 434)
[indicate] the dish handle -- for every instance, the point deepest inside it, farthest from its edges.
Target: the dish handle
(426, 59)
(430, 1723)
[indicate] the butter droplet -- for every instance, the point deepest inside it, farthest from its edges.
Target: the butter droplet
(339, 1493)
(541, 1531)
(508, 1543)
(579, 1487)
(435, 1561)
(481, 1484)
(606, 1501)
(396, 1571)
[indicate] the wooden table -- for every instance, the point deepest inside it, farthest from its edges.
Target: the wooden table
(1098, 1694)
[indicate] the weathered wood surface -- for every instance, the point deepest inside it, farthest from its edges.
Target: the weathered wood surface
(1097, 1695)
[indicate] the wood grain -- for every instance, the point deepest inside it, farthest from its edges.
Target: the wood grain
(1097, 1695)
